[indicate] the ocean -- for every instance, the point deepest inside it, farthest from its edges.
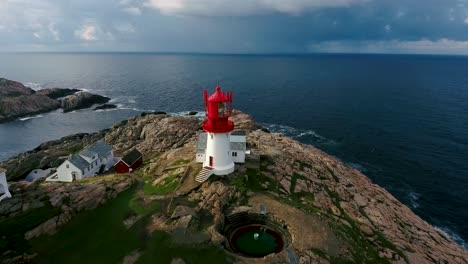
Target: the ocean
(400, 119)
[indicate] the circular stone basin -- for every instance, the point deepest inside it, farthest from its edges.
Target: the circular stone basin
(256, 241)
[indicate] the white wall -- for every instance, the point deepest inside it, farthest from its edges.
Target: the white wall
(200, 157)
(218, 146)
(240, 156)
(64, 174)
(4, 192)
(37, 174)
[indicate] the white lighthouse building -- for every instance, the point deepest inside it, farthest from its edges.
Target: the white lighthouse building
(218, 148)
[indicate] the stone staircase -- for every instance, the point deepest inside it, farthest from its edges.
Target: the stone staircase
(204, 174)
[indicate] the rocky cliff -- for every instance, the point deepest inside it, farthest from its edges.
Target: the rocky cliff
(332, 212)
(17, 100)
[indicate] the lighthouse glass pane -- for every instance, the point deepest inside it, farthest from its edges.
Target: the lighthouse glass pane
(220, 109)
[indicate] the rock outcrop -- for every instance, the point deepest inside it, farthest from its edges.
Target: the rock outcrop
(17, 100)
(81, 100)
(333, 212)
(105, 106)
(56, 93)
(68, 198)
(11, 88)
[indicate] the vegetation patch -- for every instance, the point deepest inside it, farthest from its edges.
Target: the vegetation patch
(13, 228)
(138, 205)
(180, 162)
(96, 236)
(294, 181)
(161, 249)
(168, 185)
(332, 173)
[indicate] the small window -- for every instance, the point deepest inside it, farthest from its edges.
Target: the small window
(211, 135)
(234, 154)
(67, 166)
(220, 110)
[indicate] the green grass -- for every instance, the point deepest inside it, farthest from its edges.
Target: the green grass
(98, 178)
(294, 181)
(97, 236)
(160, 249)
(168, 185)
(180, 162)
(12, 229)
(137, 205)
(362, 251)
(75, 149)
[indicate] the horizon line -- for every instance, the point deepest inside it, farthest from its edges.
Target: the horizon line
(232, 53)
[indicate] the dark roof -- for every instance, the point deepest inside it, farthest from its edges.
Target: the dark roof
(132, 157)
(238, 146)
(238, 133)
(79, 162)
(100, 148)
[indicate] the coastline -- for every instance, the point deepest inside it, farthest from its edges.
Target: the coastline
(367, 204)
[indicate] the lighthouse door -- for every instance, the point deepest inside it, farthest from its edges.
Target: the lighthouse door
(211, 161)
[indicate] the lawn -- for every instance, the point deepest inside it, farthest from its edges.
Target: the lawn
(160, 249)
(168, 185)
(97, 236)
(13, 229)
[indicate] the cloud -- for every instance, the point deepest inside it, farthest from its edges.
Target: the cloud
(423, 46)
(132, 11)
(124, 27)
(241, 8)
(87, 33)
(388, 28)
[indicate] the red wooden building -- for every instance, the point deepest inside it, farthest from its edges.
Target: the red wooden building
(130, 162)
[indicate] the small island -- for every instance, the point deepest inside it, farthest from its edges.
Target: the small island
(17, 100)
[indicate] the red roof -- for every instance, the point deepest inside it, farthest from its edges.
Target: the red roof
(218, 96)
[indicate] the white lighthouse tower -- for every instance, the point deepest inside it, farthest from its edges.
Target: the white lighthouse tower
(216, 149)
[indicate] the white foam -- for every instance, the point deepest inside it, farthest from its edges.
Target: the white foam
(452, 235)
(200, 114)
(298, 133)
(34, 86)
(30, 117)
(414, 197)
(356, 166)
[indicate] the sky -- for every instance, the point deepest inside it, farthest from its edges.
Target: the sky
(235, 26)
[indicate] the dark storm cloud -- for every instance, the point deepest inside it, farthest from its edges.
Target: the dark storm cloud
(253, 26)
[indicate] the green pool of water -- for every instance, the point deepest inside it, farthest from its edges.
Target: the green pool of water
(262, 246)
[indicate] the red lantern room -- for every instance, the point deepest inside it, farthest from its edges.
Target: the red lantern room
(218, 109)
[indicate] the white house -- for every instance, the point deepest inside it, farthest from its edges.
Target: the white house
(4, 193)
(37, 174)
(87, 163)
(238, 147)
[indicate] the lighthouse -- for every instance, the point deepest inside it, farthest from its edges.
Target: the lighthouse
(219, 147)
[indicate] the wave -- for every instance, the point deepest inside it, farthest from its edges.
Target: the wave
(452, 235)
(34, 86)
(414, 197)
(200, 114)
(310, 136)
(123, 100)
(356, 166)
(30, 117)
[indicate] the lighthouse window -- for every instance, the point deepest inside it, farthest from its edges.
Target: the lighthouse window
(220, 109)
(234, 154)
